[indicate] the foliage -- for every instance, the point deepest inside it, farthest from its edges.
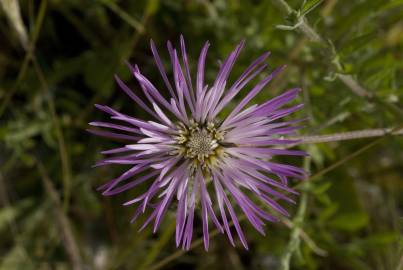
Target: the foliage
(62, 61)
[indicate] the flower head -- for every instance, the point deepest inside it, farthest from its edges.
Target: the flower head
(185, 153)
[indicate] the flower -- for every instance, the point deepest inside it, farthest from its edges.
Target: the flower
(186, 152)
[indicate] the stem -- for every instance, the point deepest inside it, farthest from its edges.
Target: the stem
(344, 136)
(355, 87)
(400, 265)
(307, 239)
(138, 26)
(64, 156)
(62, 219)
(153, 253)
(179, 253)
(293, 244)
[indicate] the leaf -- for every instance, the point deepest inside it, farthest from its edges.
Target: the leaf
(327, 213)
(357, 43)
(392, 4)
(7, 214)
(152, 7)
(16, 258)
(13, 12)
(316, 154)
(352, 221)
(24, 131)
(309, 6)
(10, 213)
(381, 238)
(322, 188)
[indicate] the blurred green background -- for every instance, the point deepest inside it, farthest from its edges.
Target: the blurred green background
(58, 58)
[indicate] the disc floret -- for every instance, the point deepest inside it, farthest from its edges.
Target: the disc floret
(200, 142)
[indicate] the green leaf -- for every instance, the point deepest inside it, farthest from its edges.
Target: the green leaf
(152, 7)
(316, 154)
(352, 221)
(392, 4)
(322, 188)
(357, 43)
(7, 214)
(10, 213)
(381, 238)
(327, 213)
(309, 6)
(16, 258)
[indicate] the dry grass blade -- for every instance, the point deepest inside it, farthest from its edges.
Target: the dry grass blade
(28, 56)
(13, 12)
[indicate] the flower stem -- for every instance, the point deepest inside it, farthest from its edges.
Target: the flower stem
(294, 243)
(351, 135)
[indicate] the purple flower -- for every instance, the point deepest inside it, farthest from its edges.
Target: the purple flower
(185, 152)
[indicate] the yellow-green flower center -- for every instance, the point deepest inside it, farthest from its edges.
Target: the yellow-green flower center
(199, 143)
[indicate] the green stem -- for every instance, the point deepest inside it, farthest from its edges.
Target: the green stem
(295, 240)
(156, 249)
(64, 157)
(124, 15)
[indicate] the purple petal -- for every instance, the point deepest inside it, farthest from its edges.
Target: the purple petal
(161, 68)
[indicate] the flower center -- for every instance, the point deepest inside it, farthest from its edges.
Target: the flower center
(199, 143)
